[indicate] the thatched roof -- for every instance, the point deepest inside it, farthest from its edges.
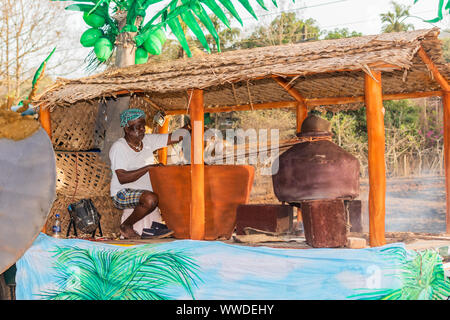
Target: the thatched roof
(320, 69)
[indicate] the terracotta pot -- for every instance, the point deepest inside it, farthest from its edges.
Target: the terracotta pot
(226, 187)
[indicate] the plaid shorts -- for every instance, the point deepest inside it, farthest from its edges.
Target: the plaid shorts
(127, 198)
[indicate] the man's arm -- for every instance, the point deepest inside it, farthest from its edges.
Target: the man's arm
(125, 176)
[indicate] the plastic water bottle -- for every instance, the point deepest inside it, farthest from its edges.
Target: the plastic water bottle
(57, 227)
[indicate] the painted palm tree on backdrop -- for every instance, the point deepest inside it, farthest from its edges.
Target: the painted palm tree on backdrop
(395, 21)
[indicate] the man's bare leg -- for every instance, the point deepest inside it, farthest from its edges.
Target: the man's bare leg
(147, 203)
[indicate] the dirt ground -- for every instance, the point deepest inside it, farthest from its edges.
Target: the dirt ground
(413, 204)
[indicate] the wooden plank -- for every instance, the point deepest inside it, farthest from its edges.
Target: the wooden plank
(377, 170)
(196, 111)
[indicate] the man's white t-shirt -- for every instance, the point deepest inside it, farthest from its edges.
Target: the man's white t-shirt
(123, 157)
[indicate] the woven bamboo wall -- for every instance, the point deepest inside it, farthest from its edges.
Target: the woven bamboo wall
(80, 172)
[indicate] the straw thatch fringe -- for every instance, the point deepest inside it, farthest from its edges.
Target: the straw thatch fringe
(319, 69)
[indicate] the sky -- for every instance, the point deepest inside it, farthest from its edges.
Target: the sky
(356, 15)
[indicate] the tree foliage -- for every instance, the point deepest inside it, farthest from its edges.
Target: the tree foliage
(394, 21)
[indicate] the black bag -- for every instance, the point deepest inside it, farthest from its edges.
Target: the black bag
(84, 216)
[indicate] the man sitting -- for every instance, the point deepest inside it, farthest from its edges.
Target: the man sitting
(131, 157)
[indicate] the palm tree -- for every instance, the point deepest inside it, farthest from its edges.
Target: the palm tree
(394, 21)
(130, 274)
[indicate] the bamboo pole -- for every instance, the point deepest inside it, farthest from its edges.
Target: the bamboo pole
(162, 153)
(377, 170)
(197, 220)
(446, 105)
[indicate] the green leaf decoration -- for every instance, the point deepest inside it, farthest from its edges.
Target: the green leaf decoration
(80, 7)
(230, 7)
(189, 19)
(91, 1)
(440, 15)
(214, 7)
(40, 70)
(261, 3)
(175, 27)
(248, 7)
(204, 18)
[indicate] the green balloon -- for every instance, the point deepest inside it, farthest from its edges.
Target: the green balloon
(103, 49)
(93, 20)
(153, 45)
(141, 56)
(90, 36)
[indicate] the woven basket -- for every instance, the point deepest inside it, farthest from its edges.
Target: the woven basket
(109, 221)
(82, 174)
(73, 128)
(76, 128)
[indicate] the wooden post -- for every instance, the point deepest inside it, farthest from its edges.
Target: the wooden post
(45, 120)
(196, 111)
(302, 113)
(162, 153)
(377, 170)
(446, 105)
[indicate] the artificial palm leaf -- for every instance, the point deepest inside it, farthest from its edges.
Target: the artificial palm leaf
(212, 5)
(191, 12)
(80, 7)
(230, 7)
(190, 21)
(204, 18)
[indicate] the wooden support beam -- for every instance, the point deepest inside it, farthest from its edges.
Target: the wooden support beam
(309, 102)
(433, 69)
(196, 112)
(162, 153)
(45, 120)
(377, 170)
(301, 108)
(446, 105)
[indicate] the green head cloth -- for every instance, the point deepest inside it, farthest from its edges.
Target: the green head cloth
(130, 115)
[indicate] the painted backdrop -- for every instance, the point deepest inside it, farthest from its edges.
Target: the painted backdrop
(188, 269)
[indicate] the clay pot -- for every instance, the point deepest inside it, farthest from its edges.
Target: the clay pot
(226, 187)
